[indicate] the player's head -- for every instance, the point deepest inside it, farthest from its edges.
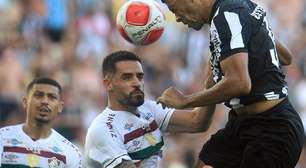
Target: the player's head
(43, 100)
(123, 79)
(193, 13)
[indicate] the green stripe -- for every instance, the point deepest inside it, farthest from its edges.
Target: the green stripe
(147, 152)
(15, 166)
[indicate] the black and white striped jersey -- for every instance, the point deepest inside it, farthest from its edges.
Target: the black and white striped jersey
(241, 26)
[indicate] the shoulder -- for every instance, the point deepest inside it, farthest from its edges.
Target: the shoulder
(150, 104)
(73, 153)
(69, 146)
(229, 5)
(103, 126)
(240, 7)
(10, 129)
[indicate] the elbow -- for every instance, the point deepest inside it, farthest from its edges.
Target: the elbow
(287, 61)
(199, 127)
(244, 87)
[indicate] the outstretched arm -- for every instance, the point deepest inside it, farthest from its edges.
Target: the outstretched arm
(285, 56)
(191, 121)
(235, 82)
(196, 120)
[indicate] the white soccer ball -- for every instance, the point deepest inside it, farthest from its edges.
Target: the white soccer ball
(140, 22)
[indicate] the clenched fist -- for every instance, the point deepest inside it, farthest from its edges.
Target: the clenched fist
(173, 98)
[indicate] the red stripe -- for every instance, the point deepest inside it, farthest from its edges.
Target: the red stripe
(45, 154)
(140, 132)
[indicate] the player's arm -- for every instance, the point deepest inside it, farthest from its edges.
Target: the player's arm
(191, 121)
(126, 164)
(196, 120)
(1, 148)
(285, 56)
(235, 82)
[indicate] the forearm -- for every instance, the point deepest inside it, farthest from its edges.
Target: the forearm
(225, 89)
(126, 164)
(191, 121)
(285, 56)
(204, 116)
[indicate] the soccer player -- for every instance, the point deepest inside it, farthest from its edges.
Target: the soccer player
(35, 143)
(129, 132)
(263, 129)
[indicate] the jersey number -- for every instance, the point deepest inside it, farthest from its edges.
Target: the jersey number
(273, 52)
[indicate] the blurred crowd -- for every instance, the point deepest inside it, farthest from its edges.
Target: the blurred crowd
(67, 40)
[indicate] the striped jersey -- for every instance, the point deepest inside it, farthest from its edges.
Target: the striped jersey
(120, 135)
(20, 151)
(241, 26)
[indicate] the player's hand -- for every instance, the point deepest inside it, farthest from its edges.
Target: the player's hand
(173, 98)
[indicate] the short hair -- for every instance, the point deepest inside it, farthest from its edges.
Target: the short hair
(44, 80)
(109, 62)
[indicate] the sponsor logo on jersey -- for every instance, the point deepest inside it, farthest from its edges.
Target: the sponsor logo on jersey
(10, 158)
(13, 142)
(56, 149)
(134, 146)
(128, 126)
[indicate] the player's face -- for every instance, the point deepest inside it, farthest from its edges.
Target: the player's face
(42, 103)
(187, 12)
(127, 84)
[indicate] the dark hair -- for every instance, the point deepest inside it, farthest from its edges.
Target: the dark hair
(109, 62)
(44, 80)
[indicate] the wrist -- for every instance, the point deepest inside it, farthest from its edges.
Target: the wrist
(187, 103)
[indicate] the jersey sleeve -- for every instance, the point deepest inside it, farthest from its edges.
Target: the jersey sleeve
(105, 148)
(74, 157)
(161, 115)
(1, 148)
(232, 30)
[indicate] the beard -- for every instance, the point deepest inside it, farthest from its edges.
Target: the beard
(43, 114)
(197, 26)
(41, 119)
(135, 99)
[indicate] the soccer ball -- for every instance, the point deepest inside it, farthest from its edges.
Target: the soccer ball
(140, 22)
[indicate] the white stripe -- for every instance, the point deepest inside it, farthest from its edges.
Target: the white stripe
(235, 103)
(269, 93)
(271, 96)
(235, 27)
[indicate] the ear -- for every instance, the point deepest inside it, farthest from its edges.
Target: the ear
(24, 102)
(61, 106)
(107, 83)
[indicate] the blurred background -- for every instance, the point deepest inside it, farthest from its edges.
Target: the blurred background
(67, 40)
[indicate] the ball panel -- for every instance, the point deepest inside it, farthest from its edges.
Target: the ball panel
(152, 36)
(137, 14)
(123, 34)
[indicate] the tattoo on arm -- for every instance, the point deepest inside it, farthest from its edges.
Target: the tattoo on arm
(126, 164)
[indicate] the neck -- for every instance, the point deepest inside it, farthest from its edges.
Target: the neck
(37, 130)
(209, 8)
(116, 106)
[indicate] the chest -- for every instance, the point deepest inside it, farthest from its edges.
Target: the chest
(17, 150)
(141, 136)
